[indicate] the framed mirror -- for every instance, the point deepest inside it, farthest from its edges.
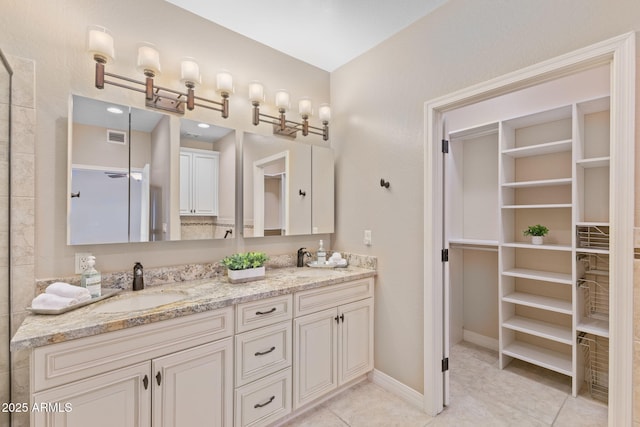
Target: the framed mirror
(279, 197)
(124, 175)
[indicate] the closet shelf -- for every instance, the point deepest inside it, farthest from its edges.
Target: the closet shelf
(596, 162)
(545, 276)
(540, 356)
(539, 149)
(538, 301)
(473, 242)
(592, 251)
(542, 206)
(540, 329)
(538, 183)
(548, 247)
(592, 224)
(593, 326)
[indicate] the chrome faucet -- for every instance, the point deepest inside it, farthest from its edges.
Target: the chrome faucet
(302, 252)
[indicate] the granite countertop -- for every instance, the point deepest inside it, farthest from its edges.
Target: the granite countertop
(200, 296)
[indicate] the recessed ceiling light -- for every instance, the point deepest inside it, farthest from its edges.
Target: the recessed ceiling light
(203, 125)
(114, 110)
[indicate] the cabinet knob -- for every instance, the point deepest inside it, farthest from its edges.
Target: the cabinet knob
(342, 317)
(302, 193)
(145, 382)
(158, 378)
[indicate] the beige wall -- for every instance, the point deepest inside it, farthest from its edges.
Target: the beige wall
(53, 33)
(378, 128)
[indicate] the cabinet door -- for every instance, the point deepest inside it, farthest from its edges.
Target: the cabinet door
(194, 387)
(356, 340)
(205, 184)
(315, 357)
(117, 398)
(185, 183)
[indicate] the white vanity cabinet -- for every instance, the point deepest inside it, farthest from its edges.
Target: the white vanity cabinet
(199, 182)
(333, 336)
(172, 373)
(263, 351)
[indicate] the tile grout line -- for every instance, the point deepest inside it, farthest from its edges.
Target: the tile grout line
(560, 410)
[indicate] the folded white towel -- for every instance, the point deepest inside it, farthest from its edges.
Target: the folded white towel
(52, 302)
(69, 291)
(336, 257)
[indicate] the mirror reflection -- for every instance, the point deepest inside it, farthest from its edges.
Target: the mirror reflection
(128, 181)
(207, 181)
(277, 186)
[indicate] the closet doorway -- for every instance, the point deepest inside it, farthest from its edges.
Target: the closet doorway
(532, 138)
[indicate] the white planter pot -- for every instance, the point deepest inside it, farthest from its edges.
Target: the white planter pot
(241, 276)
(537, 240)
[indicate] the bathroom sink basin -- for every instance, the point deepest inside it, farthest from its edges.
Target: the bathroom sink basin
(138, 302)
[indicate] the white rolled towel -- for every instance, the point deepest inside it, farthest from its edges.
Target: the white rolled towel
(52, 302)
(68, 291)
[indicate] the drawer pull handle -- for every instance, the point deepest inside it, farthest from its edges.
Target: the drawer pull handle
(260, 405)
(261, 313)
(158, 378)
(262, 353)
(145, 382)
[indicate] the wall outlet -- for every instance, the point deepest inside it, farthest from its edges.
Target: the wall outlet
(367, 237)
(81, 261)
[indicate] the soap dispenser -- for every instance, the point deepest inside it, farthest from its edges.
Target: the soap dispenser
(91, 278)
(138, 277)
(322, 254)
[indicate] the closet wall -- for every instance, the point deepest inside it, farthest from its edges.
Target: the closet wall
(538, 156)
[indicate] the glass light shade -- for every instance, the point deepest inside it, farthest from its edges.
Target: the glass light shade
(304, 107)
(148, 58)
(224, 82)
(324, 113)
(100, 42)
(282, 99)
(256, 92)
(189, 71)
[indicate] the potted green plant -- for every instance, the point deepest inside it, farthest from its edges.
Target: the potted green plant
(244, 267)
(537, 232)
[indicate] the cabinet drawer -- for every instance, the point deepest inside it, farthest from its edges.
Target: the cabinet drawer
(263, 351)
(331, 296)
(255, 314)
(264, 401)
(68, 361)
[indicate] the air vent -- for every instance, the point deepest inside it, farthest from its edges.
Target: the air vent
(116, 137)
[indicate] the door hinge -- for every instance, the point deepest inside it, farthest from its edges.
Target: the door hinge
(445, 145)
(445, 364)
(445, 255)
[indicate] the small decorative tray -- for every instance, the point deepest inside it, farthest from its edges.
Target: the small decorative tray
(106, 293)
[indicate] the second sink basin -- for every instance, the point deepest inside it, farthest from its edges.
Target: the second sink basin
(138, 302)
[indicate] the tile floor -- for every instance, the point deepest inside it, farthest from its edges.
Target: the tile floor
(481, 395)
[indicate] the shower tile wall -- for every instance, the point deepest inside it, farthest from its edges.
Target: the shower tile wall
(22, 253)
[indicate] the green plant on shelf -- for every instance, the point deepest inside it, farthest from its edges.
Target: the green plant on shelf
(536, 230)
(244, 261)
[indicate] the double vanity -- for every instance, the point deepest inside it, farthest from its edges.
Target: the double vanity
(203, 352)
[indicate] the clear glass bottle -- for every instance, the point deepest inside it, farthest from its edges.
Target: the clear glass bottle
(91, 278)
(322, 254)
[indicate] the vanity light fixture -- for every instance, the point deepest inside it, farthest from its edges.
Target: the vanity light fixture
(282, 126)
(100, 45)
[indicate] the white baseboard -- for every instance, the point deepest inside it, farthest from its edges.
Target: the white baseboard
(396, 387)
(481, 340)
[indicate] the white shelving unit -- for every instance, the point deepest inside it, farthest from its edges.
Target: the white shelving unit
(553, 169)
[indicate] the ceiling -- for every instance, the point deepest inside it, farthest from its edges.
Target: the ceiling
(324, 33)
